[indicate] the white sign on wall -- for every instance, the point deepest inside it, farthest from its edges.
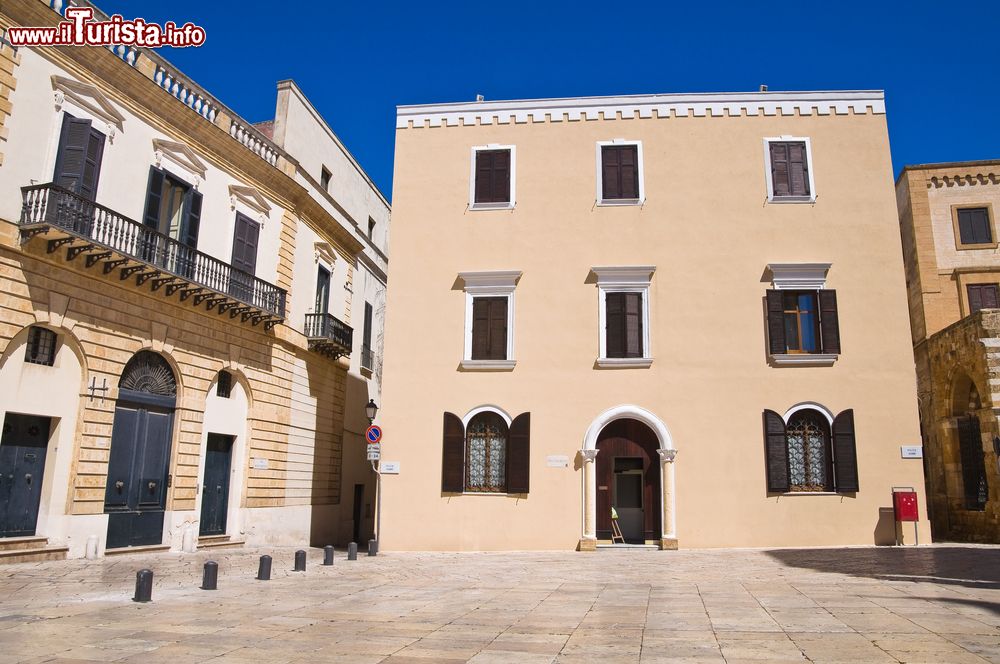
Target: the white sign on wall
(912, 451)
(389, 468)
(557, 461)
(259, 464)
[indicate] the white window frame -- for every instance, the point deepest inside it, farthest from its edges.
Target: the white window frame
(509, 205)
(623, 279)
(811, 198)
(801, 277)
(489, 284)
(600, 175)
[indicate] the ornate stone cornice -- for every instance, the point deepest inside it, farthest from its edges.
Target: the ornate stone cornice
(180, 153)
(662, 106)
(589, 455)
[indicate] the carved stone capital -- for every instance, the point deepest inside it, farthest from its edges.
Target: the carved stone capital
(667, 456)
(589, 455)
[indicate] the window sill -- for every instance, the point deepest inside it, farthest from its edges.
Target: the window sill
(488, 365)
(492, 206)
(804, 359)
(624, 362)
(974, 247)
(489, 493)
(618, 202)
(791, 199)
(812, 493)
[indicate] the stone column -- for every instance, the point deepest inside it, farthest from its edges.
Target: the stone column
(668, 539)
(589, 540)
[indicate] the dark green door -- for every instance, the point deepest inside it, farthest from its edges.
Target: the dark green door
(22, 462)
(215, 489)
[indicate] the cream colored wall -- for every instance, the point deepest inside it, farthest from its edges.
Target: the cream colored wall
(941, 198)
(31, 152)
(707, 229)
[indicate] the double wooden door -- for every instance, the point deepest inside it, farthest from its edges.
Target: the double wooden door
(22, 464)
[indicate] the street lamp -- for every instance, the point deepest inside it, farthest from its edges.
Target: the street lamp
(371, 409)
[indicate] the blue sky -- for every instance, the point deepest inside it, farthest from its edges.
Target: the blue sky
(357, 60)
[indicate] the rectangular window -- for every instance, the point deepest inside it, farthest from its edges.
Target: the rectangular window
(974, 227)
(41, 348)
(492, 177)
(489, 328)
(789, 176)
(324, 179)
(983, 296)
(224, 387)
(366, 347)
(371, 227)
(322, 305)
(801, 322)
(620, 180)
(624, 325)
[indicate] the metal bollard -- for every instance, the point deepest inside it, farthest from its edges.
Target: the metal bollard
(372, 550)
(352, 551)
(300, 561)
(143, 586)
(328, 554)
(210, 577)
(264, 571)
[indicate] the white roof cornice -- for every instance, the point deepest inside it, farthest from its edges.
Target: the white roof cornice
(716, 104)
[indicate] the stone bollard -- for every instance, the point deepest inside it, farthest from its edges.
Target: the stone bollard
(143, 586)
(372, 550)
(328, 554)
(210, 577)
(264, 570)
(352, 551)
(300, 561)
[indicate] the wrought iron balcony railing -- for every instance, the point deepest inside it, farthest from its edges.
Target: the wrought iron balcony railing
(328, 334)
(102, 235)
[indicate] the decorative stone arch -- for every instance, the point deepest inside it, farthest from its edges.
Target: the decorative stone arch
(667, 452)
(809, 405)
(963, 391)
(66, 338)
(168, 357)
(486, 408)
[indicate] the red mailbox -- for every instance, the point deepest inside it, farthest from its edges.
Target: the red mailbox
(904, 504)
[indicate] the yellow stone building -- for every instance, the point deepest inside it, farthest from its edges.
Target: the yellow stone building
(190, 311)
(669, 320)
(949, 233)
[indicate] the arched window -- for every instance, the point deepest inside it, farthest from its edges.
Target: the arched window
(486, 453)
(149, 373)
(810, 458)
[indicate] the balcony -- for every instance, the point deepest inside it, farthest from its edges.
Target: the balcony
(100, 235)
(327, 334)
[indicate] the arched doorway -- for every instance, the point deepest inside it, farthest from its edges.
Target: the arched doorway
(628, 482)
(136, 493)
(966, 406)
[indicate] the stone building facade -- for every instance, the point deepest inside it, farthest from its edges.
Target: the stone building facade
(664, 320)
(182, 309)
(949, 237)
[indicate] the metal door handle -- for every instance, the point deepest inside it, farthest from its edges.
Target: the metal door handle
(119, 485)
(218, 488)
(27, 477)
(152, 487)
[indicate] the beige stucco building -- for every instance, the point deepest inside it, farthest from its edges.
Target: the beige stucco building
(949, 234)
(689, 308)
(190, 311)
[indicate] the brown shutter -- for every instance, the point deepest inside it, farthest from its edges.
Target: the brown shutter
(492, 176)
(610, 173)
(775, 323)
(775, 452)
(798, 170)
(633, 324)
(518, 454)
(480, 328)
(484, 176)
(453, 455)
(779, 169)
(614, 328)
(845, 455)
(990, 299)
(975, 299)
(829, 326)
(498, 328)
(501, 176)
(629, 169)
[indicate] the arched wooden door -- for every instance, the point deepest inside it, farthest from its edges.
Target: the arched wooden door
(628, 479)
(136, 494)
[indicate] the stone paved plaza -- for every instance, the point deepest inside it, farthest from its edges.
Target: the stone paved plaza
(928, 604)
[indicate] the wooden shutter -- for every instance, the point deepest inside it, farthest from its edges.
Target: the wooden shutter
(489, 328)
(518, 454)
(619, 172)
(498, 328)
(453, 455)
(633, 324)
(614, 325)
(776, 322)
(245, 238)
(779, 169)
(974, 226)
(629, 170)
(193, 218)
(78, 161)
(610, 173)
(975, 299)
(829, 326)
(154, 195)
(492, 176)
(368, 326)
(845, 455)
(798, 169)
(775, 452)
